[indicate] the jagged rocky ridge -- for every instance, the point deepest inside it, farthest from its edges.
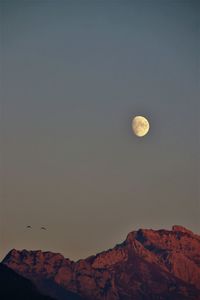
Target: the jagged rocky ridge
(148, 265)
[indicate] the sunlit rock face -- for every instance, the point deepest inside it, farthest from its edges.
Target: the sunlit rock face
(149, 264)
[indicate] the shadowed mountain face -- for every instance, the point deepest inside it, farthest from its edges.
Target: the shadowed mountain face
(14, 286)
(148, 265)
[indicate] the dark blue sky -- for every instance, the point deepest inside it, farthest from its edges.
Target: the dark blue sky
(74, 73)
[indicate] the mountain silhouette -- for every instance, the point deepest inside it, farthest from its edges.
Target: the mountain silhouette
(14, 286)
(148, 265)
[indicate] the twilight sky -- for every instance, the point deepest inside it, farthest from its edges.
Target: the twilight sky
(74, 73)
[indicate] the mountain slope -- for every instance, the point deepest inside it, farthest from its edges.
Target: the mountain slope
(14, 286)
(149, 264)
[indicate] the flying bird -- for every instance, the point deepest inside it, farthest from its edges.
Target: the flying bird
(43, 228)
(28, 227)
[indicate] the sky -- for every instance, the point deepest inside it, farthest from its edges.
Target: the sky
(73, 75)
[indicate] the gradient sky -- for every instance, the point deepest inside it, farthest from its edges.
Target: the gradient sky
(74, 73)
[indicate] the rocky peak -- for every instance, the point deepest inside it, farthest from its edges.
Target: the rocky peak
(178, 228)
(148, 262)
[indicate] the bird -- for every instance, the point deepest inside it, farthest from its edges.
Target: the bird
(28, 227)
(43, 228)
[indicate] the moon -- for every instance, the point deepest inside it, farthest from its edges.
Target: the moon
(140, 126)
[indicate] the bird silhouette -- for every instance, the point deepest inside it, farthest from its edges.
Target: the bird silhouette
(43, 228)
(28, 227)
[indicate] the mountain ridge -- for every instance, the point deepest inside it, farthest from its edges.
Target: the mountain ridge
(149, 264)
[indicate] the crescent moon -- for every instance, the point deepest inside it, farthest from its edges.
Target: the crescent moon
(140, 126)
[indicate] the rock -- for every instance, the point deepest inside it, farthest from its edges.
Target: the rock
(149, 264)
(179, 228)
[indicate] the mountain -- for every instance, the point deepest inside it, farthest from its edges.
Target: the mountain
(148, 265)
(14, 286)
